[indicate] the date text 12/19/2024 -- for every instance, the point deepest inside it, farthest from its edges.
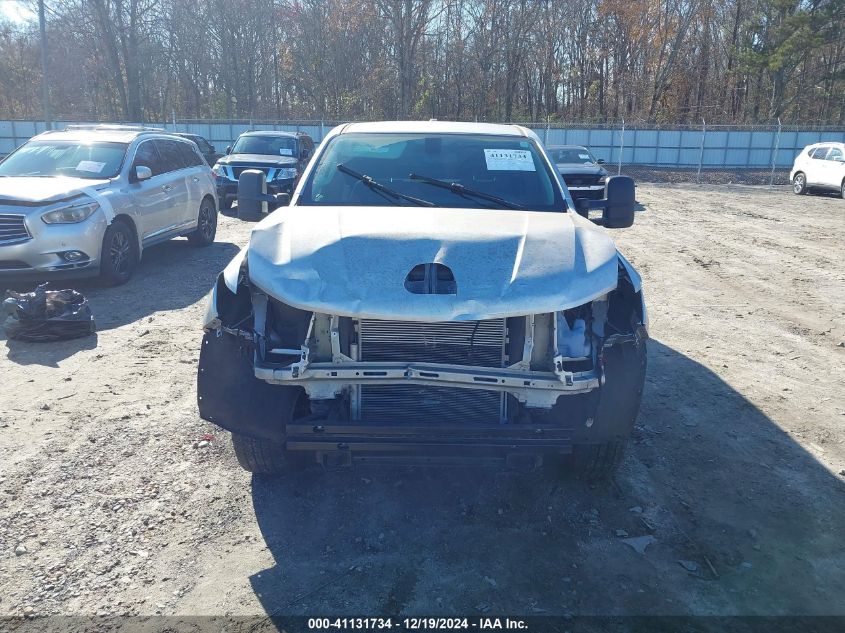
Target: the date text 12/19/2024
(418, 624)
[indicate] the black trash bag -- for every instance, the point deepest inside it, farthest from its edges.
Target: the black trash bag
(47, 315)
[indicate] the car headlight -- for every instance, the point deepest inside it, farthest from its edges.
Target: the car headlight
(602, 179)
(217, 170)
(286, 174)
(71, 214)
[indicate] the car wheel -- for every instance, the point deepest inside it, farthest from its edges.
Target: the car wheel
(842, 189)
(262, 456)
(799, 184)
(119, 254)
(206, 225)
(597, 461)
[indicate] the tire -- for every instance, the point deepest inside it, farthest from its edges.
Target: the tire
(206, 225)
(799, 184)
(842, 189)
(260, 456)
(119, 254)
(595, 462)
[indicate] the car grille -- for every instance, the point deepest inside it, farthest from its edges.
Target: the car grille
(478, 343)
(12, 229)
(237, 171)
(581, 181)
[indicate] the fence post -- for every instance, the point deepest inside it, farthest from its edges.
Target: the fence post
(775, 156)
(173, 113)
(621, 147)
(546, 135)
(701, 150)
(322, 133)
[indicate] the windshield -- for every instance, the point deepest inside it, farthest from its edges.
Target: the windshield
(572, 155)
(275, 145)
(505, 167)
(65, 158)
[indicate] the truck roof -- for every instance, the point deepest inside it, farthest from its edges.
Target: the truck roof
(436, 127)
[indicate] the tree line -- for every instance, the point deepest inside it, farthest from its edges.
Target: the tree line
(591, 61)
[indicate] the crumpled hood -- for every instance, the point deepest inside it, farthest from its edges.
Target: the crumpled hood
(257, 159)
(352, 261)
(579, 169)
(43, 191)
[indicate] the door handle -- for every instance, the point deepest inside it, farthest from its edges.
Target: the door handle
(167, 187)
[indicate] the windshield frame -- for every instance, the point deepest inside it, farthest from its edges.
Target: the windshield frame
(35, 141)
(268, 137)
(562, 201)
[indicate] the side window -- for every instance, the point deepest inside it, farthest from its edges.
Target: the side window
(190, 155)
(204, 145)
(147, 155)
(835, 154)
(171, 154)
(819, 153)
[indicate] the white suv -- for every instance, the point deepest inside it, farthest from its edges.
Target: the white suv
(88, 200)
(819, 166)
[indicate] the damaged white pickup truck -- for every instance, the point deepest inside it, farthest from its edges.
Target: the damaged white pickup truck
(431, 293)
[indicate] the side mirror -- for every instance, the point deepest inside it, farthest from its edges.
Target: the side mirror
(601, 161)
(620, 202)
(253, 199)
(617, 207)
(143, 172)
(228, 149)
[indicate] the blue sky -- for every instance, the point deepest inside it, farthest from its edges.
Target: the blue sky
(16, 11)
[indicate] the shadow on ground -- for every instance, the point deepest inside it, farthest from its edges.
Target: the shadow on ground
(756, 520)
(172, 276)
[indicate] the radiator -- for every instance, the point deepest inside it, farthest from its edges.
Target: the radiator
(478, 343)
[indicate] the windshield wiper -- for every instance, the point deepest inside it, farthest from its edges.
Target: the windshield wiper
(459, 189)
(377, 186)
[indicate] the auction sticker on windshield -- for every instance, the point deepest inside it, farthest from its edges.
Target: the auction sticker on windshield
(509, 160)
(90, 166)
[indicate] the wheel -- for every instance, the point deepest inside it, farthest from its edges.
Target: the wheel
(799, 184)
(119, 254)
(598, 461)
(260, 456)
(842, 189)
(206, 225)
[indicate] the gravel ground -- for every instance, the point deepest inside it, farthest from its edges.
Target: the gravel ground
(115, 498)
(708, 176)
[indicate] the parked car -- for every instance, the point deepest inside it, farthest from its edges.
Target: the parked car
(208, 151)
(819, 166)
(430, 291)
(88, 201)
(280, 155)
(583, 173)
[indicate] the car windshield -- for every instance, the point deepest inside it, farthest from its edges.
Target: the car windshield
(475, 169)
(65, 158)
(274, 145)
(572, 155)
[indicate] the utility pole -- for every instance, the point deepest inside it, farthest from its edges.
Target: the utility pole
(45, 87)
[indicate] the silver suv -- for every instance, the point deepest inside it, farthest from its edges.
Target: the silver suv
(88, 200)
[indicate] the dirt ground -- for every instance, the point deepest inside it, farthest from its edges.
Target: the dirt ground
(111, 502)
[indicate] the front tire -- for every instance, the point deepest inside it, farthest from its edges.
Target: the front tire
(119, 254)
(206, 225)
(799, 184)
(260, 456)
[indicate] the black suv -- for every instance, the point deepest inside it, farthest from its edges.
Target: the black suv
(280, 155)
(583, 174)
